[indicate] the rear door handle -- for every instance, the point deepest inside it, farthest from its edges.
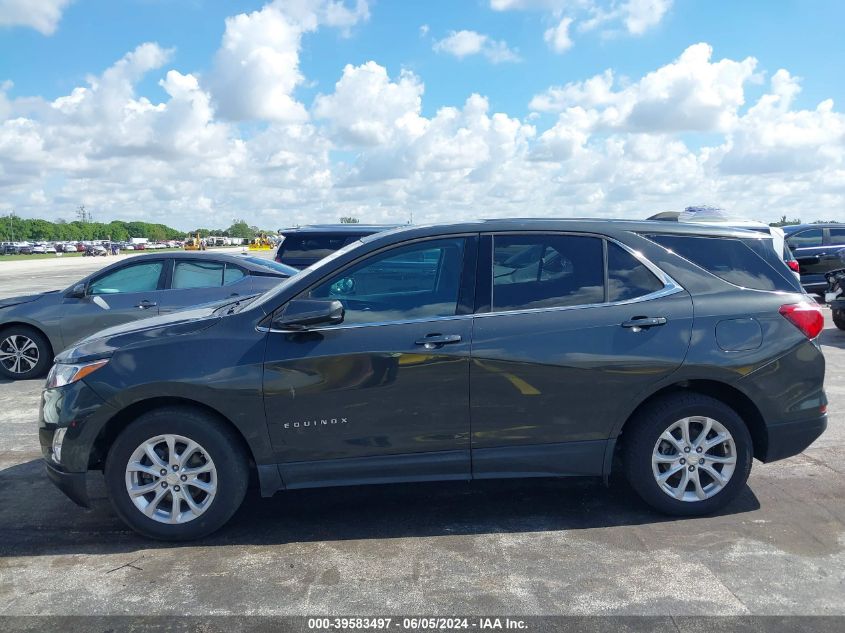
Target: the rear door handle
(434, 341)
(144, 305)
(637, 324)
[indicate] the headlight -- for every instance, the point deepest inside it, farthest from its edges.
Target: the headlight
(58, 438)
(64, 374)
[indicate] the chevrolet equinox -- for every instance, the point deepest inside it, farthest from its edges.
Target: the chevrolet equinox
(506, 348)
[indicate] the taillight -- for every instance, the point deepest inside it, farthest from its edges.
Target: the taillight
(793, 265)
(807, 317)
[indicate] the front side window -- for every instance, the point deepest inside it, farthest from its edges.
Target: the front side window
(545, 271)
(417, 281)
(627, 277)
(135, 278)
(804, 239)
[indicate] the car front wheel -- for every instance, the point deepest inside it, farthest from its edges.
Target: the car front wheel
(24, 353)
(176, 474)
(687, 454)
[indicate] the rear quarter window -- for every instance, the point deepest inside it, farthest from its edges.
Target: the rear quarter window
(749, 263)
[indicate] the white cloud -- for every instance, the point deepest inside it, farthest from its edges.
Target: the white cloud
(366, 107)
(636, 16)
(368, 147)
(558, 38)
(257, 66)
(464, 43)
(41, 15)
(690, 94)
(641, 15)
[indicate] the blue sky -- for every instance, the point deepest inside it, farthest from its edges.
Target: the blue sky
(46, 63)
(805, 37)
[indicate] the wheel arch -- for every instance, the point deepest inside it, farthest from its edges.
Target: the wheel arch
(728, 394)
(115, 424)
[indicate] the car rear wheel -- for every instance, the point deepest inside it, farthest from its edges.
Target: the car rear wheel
(838, 318)
(176, 473)
(687, 454)
(24, 353)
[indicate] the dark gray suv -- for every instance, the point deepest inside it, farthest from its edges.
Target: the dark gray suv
(522, 348)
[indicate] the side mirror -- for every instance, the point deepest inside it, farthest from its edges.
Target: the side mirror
(77, 292)
(300, 314)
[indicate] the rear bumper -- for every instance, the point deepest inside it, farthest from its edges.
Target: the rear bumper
(790, 438)
(74, 485)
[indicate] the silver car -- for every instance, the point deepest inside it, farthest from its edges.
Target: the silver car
(34, 328)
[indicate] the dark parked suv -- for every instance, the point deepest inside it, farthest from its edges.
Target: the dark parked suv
(819, 248)
(307, 245)
(521, 348)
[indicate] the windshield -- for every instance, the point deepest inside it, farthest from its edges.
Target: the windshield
(269, 297)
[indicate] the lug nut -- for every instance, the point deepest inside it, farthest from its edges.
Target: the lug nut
(184, 477)
(164, 484)
(163, 472)
(176, 488)
(698, 450)
(700, 461)
(691, 468)
(686, 449)
(683, 461)
(175, 467)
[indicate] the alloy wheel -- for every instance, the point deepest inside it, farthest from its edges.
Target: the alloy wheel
(171, 479)
(694, 459)
(19, 354)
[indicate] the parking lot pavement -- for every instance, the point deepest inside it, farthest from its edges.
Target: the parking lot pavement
(515, 547)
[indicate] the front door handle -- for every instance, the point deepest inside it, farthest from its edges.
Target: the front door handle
(637, 324)
(435, 341)
(145, 304)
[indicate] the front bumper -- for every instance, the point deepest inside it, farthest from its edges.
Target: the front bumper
(74, 485)
(790, 438)
(83, 413)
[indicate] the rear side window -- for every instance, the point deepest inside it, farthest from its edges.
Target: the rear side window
(837, 237)
(545, 271)
(747, 263)
(627, 277)
(197, 274)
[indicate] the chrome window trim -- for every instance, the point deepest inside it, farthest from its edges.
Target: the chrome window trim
(352, 326)
(670, 287)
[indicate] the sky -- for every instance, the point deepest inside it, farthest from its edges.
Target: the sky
(197, 112)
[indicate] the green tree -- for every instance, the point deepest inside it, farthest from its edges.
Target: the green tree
(348, 219)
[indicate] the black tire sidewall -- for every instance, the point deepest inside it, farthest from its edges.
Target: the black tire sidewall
(838, 318)
(45, 353)
(653, 421)
(219, 442)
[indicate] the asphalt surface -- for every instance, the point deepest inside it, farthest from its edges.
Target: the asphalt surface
(507, 547)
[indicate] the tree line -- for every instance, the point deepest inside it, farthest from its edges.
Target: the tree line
(16, 229)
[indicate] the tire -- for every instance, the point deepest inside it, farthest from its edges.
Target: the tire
(646, 455)
(838, 318)
(226, 481)
(24, 353)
